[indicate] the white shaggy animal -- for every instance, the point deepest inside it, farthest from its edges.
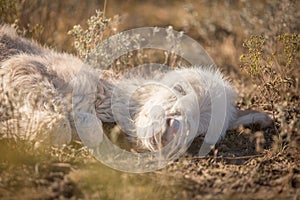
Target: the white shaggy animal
(178, 106)
(36, 86)
(175, 106)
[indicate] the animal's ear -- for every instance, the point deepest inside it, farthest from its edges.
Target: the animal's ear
(179, 88)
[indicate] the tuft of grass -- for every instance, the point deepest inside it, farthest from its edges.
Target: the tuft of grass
(272, 69)
(29, 31)
(98, 28)
(272, 64)
(10, 14)
(8, 10)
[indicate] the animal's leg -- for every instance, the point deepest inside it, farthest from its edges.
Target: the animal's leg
(52, 129)
(37, 110)
(89, 128)
(246, 117)
(32, 122)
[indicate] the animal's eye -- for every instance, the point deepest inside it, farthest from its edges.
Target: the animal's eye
(179, 89)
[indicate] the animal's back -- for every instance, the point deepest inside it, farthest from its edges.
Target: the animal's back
(19, 53)
(11, 44)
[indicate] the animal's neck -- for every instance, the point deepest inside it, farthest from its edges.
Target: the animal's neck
(105, 89)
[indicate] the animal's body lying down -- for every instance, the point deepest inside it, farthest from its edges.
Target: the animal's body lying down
(185, 102)
(36, 87)
(40, 82)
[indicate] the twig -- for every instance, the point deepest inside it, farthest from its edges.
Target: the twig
(228, 157)
(104, 7)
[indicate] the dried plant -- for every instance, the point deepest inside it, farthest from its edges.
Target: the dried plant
(272, 71)
(99, 28)
(272, 65)
(8, 10)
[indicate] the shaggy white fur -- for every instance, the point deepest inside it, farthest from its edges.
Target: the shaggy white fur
(38, 83)
(178, 106)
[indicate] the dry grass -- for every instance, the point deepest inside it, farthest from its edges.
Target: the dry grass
(249, 164)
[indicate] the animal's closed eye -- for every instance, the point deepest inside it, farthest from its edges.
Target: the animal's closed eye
(179, 89)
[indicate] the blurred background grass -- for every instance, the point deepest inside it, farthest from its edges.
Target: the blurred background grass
(220, 26)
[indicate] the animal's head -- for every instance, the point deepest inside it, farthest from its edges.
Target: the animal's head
(168, 112)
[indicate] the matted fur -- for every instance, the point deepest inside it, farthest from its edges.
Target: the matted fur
(37, 85)
(180, 102)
